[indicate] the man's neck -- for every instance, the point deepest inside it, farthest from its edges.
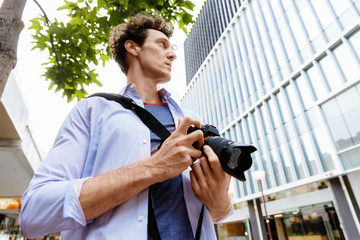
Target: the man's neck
(148, 92)
(146, 88)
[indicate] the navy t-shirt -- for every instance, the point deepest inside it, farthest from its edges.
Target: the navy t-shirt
(168, 196)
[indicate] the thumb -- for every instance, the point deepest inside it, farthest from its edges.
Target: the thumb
(179, 121)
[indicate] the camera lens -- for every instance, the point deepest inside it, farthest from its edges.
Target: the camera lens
(234, 158)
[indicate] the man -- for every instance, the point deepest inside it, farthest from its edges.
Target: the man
(95, 181)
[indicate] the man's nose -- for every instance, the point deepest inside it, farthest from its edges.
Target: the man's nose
(172, 54)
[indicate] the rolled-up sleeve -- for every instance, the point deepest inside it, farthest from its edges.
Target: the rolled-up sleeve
(51, 202)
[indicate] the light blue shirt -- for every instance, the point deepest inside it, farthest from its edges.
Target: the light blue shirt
(167, 197)
(97, 137)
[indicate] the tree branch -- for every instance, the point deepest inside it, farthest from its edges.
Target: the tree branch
(51, 36)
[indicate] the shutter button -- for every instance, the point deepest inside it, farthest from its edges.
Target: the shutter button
(140, 218)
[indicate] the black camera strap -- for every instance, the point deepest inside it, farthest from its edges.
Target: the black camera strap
(155, 126)
(146, 117)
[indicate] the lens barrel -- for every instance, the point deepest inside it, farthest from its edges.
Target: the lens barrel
(235, 158)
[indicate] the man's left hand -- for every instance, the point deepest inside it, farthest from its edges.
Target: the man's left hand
(211, 184)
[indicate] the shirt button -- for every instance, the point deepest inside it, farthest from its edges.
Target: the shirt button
(140, 218)
(144, 141)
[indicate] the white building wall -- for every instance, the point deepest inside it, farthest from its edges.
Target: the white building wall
(272, 79)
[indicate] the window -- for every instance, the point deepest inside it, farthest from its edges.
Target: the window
(259, 19)
(286, 159)
(286, 4)
(298, 31)
(313, 117)
(234, 133)
(321, 137)
(350, 109)
(348, 64)
(276, 166)
(344, 12)
(300, 125)
(288, 46)
(342, 115)
(355, 43)
(337, 125)
(269, 174)
(278, 50)
(310, 221)
(266, 11)
(309, 21)
(317, 82)
(240, 133)
(310, 153)
(273, 113)
(283, 107)
(257, 124)
(305, 94)
(292, 98)
(272, 65)
(351, 159)
(323, 12)
(339, 6)
(276, 9)
(331, 72)
(297, 159)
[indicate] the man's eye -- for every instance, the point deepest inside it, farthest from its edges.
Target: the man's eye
(162, 44)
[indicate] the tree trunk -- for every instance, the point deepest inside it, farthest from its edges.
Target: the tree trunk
(10, 28)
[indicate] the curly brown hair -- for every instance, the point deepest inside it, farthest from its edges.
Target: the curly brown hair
(135, 30)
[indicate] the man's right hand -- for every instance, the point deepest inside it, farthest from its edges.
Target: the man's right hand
(104, 192)
(177, 151)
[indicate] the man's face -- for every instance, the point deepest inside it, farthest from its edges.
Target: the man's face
(156, 56)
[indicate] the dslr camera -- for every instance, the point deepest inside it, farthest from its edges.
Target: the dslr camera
(235, 158)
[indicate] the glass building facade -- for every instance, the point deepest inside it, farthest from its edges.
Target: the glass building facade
(284, 76)
(214, 18)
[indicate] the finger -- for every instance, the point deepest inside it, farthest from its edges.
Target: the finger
(206, 168)
(196, 136)
(179, 121)
(213, 159)
(195, 153)
(194, 182)
(198, 172)
(185, 123)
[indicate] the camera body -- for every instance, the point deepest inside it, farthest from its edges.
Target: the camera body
(235, 158)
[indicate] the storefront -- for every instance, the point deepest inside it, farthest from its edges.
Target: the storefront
(306, 212)
(235, 230)
(9, 224)
(314, 222)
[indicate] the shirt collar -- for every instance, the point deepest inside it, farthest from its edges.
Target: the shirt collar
(164, 95)
(130, 91)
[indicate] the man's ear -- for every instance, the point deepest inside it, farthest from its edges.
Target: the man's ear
(132, 47)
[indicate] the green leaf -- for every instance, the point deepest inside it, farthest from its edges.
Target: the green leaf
(98, 82)
(81, 41)
(115, 18)
(187, 18)
(104, 58)
(36, 25)
(51, 85)
(68, 6)
(77, 20)
(125, 4)
(189, 5)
